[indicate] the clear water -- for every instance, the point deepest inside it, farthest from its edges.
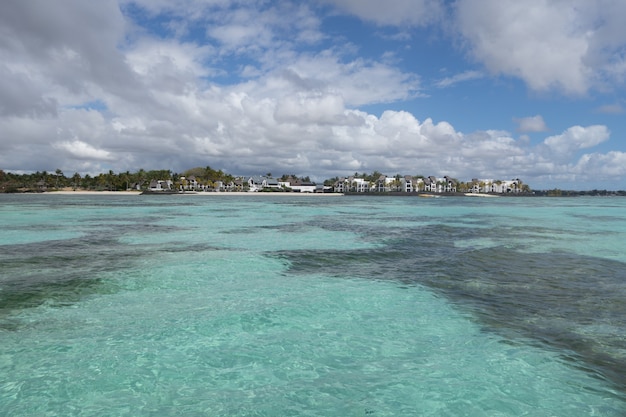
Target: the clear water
(311, 306)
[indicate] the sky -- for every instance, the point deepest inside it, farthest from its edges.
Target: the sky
(488, 89)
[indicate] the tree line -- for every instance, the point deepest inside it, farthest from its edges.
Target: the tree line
(110, 181)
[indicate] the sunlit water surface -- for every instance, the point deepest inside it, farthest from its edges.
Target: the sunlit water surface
(312, 306)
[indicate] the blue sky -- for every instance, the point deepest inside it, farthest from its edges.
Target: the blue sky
(495, 89)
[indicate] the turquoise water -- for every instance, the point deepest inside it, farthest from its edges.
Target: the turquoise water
(311, 306)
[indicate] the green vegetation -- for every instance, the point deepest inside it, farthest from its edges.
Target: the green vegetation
(46, 181)
(140, 180)
(573, 193)
(110, 181)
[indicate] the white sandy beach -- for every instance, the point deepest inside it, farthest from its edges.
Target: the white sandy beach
(83, 192)
(480, 195)
(193, 193)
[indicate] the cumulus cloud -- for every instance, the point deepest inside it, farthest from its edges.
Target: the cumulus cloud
(576, 138)
(309, 109)
(65, 54)
(253, 96)
(82, 150)
(21, 97)
(359, 82)
(561, 45)
(604, 166)
(261, 28)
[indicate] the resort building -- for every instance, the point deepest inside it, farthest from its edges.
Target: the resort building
(259, 183)
(352, 184)
(160, 185)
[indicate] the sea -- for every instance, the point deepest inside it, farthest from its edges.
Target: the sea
(305, 305)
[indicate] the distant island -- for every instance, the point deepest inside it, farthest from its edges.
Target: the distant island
(208, 179)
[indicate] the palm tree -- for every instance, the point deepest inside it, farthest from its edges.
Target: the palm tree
(110, 178)
(125, 177)
(397, 182)
(141, 177)
(58, 173)
(76, 180)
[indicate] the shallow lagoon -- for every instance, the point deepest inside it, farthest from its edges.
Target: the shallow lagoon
(349, 306)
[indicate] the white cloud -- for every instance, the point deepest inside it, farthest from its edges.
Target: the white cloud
(21, 95)
(458, 78)
(82, 150)
(602, 166)
(359, 82)
(173, 103)
(152, 59)
(576, 138)
(67, 54)
(531, 124)
(306, 108)
(393, 12)
(564, 45)
(247, 28)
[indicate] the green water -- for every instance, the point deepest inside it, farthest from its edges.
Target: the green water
(311, 306)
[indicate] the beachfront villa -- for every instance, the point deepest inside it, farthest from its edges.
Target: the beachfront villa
(210, 180)
(160, 185)
(259, 183)
(289, 184)
(351, 184)
(496, 186)
(250, 184)
(299, 185)
(430, 184)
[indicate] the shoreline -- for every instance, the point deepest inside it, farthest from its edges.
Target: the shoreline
(264, 194)
(480, 195)
(190, 193)
(85, 192)
(283, 194)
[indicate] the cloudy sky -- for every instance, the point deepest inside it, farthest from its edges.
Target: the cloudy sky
(468, 88)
